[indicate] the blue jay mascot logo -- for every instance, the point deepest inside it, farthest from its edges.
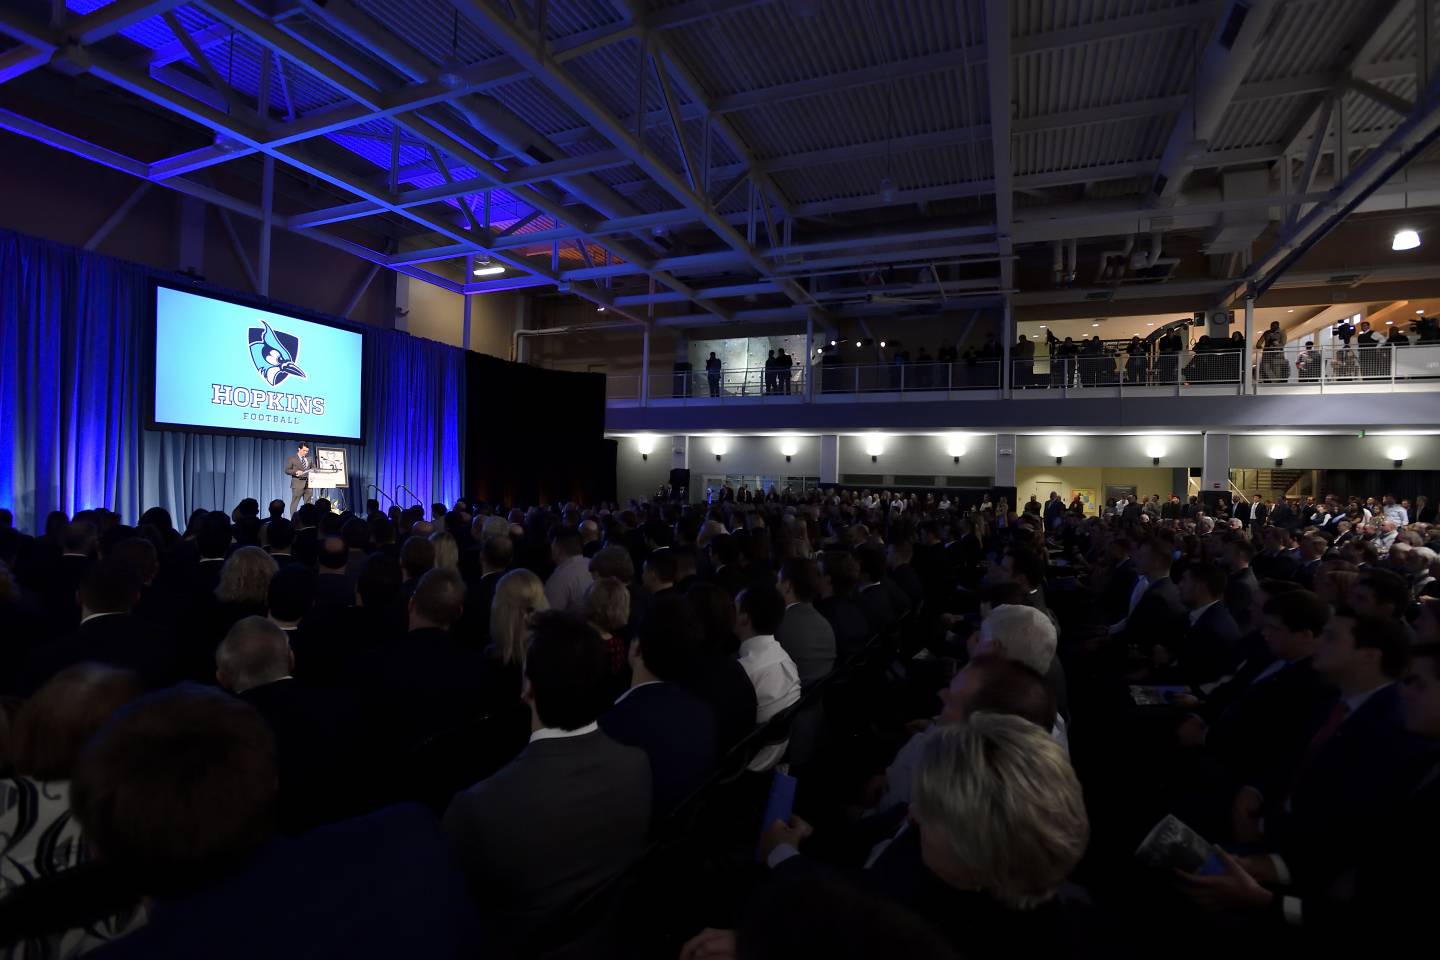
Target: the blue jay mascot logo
(274, 354)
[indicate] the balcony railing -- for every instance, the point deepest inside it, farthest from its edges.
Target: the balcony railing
(1328, 369)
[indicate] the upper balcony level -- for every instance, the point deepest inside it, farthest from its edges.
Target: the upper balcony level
(1395, 385)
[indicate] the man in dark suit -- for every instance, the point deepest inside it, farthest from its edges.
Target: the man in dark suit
(496, 555)
(1210, 645)
(108, 633)
(1312, 551)
(804, 632)
(57, 590)
(334, 589)
(1157, 612)
(1115, 596)
(1242, 590)
(297, 468)
(572, 811)
(880, 601)
(1285, 515)
(674, 727)
(1170, 510)
(725, 569)
(902, 571)
(1355, 764)
(428, 681)
(314, 755)
(1259, 732)
(1130, 515)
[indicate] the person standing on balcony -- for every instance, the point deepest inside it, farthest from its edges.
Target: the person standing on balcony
(769, 373)
(1273, 367)
(1307, 365)
(713, 366)
(1023, 354)
(783, 364)
(1135, 361)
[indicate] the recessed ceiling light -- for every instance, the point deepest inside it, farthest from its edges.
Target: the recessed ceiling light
(599, 309)
(1420, 312)
(882, 344)
(492, 270)
(1094, 324)
(1291, 310)
(1042, 326)
(1150, 324)
(1389, 323)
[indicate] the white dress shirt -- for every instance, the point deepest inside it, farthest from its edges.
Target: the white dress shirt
(555, 733)
(1396, 513)
(565, 590)
(777, 686)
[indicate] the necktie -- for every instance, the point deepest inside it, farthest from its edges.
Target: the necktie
(1337, 716)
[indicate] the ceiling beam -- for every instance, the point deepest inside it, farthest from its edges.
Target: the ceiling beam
(530, 49)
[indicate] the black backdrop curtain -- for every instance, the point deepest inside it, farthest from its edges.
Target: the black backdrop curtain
(1403, 484)
(535, 436)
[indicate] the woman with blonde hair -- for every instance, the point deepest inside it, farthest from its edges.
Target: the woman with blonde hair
(245, 577)
(447, 551)
(607, 609)
(518, 595)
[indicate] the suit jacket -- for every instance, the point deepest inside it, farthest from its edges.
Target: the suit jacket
(723, 684)
(1115, 598)
(1284, 516)
(293, 466)
(1242, 599)
(878, 606)
(851, 625)
(555, 824)
(1262, 733)
(315, 752)
(333, 590)
(118, 639)
(1343, 790)
(1210, 646)
(676, 729)
(428, 682)
(1279, 566)
(57, 592)
(377, 887)
(474, 625)
(1305, 573)
(809, 639)
(730, 578)
(1131, 513)
(1158, 614)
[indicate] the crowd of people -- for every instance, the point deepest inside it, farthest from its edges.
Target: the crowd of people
(558, 731)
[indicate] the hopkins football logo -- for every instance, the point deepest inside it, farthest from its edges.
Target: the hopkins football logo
(274, 354)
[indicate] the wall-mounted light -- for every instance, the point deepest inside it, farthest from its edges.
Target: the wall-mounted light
(1397, 455)
(874, 445)
(719, 446)
(1059, 451)
(955, 446)
(646, 445)
(1155, 451)
(1278, 454)
(1405, 240)
(882, 344)
(789, 446)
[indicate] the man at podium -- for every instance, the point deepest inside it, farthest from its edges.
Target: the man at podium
(297, 468)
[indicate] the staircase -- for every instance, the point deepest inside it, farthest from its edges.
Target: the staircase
(1276, 482)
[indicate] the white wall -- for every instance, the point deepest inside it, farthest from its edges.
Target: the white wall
(1089, 450)
(918, 455)
(1331, 452)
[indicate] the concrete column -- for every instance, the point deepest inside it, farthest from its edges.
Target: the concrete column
(1215, 467)
(1007, 338)
(829, 459)
(680, 453)
(645, 367)
(1247, 376)
(402, 302)
(805, 367)
(190, 237)
(1005, 462)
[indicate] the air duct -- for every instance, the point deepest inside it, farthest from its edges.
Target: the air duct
(1057, 262)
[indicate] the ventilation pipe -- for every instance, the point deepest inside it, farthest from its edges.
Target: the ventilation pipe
(1113, 263)
(1057, 261)
(1072, 259)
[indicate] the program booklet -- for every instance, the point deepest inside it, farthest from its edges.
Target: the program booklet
(1172, 844)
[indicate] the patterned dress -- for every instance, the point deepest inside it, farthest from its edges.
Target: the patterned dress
(39, 838)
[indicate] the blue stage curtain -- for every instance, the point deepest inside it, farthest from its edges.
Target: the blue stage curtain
(73, 352)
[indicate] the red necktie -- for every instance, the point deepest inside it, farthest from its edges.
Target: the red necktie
(1337, 716)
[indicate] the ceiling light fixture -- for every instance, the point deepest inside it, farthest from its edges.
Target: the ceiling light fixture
(1405, 240)
(882, 344)
(599, 309)
(489, 270)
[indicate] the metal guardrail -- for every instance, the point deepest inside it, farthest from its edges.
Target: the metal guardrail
(1332, 366)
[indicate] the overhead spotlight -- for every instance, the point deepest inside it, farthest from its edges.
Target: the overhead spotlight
(1421, 312)
(1389, 323)
(1150, 324)
(857, 343)
(1291, 310)
(599, 309)
(1405, 240)
(832, 343)
(484, 268)
(887, 195)
(1042, 326)
(882, 344)
(1094, 324)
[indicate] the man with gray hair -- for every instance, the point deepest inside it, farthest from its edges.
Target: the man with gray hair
(312, 749)
(1018, 632)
